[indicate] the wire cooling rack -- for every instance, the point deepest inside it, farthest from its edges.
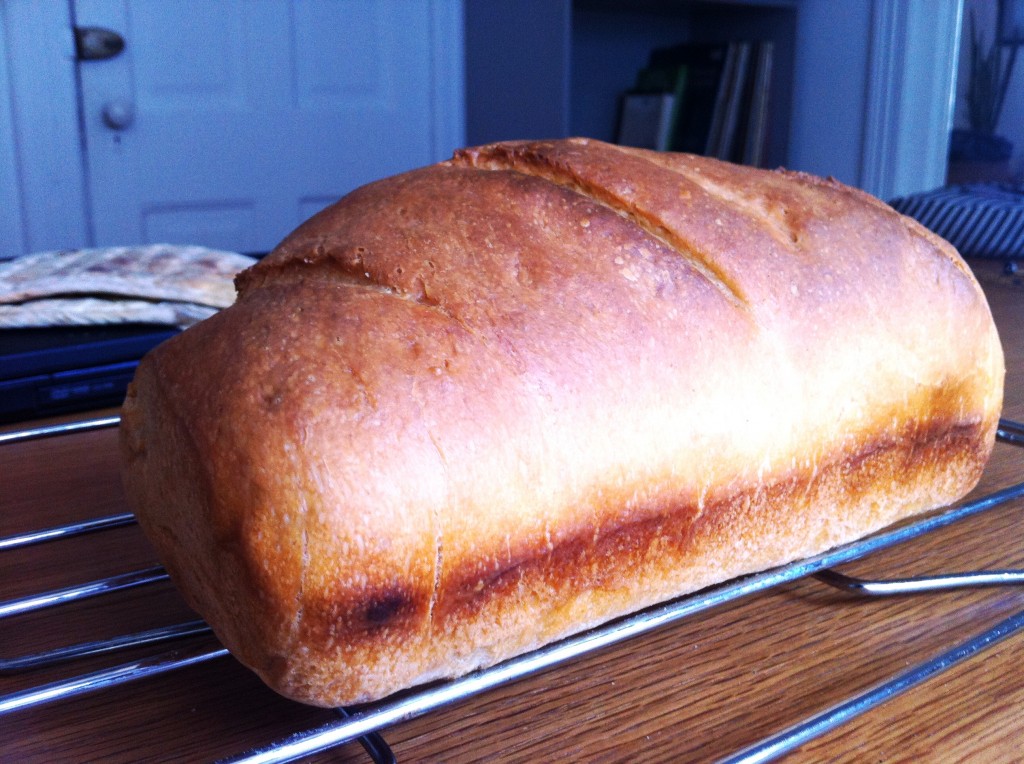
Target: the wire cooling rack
(364, 724)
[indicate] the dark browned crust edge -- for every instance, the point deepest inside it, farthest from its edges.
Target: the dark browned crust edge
(886, 480)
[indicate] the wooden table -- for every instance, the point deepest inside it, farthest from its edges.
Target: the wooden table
(696, 690)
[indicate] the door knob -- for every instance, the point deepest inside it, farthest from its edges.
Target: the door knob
(118, 114)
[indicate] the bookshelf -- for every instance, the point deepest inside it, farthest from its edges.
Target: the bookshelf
(860, 89)
(605, 59)
(583, 55)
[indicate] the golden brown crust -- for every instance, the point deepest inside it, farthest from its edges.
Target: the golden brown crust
(485, 404)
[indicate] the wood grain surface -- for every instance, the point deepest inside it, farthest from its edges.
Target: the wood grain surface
(697, 690)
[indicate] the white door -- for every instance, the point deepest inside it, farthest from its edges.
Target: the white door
(226, 123)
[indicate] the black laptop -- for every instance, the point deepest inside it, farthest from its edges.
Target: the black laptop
(60, 370)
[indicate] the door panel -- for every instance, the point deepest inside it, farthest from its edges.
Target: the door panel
(189, 63)
(246, 117)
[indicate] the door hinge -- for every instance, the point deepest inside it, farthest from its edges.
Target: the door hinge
(97, 43)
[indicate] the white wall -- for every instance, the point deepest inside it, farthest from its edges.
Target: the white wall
(872, 86)
(829, 87)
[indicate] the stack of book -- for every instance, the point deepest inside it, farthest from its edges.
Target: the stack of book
(702, 98)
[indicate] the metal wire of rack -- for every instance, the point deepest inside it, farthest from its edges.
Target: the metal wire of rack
(364, 725)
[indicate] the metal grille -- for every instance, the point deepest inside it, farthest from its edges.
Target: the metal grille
(364, 725)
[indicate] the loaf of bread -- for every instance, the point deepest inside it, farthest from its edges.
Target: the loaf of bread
(480, 406)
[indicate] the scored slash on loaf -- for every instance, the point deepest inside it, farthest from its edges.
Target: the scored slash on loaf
(480, 406)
